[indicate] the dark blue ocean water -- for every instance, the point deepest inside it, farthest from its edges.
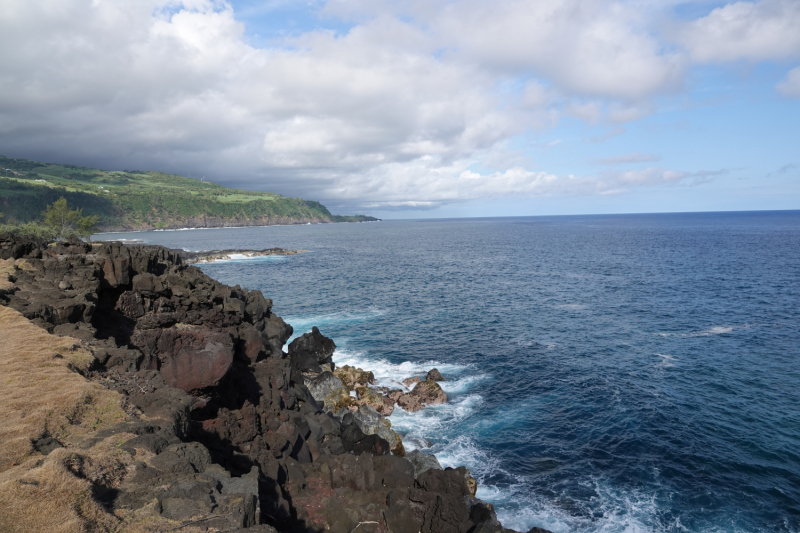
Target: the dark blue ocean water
(606, 373)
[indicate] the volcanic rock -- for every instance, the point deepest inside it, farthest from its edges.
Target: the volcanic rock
(372, 423)
(380, 403)
(353, 377)
(422, 462)
(221, 427)
(329, 390)
(434, 375)
(310, 351)
(409, 382)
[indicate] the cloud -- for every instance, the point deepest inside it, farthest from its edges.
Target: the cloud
(785, 169)
(752, 31)
(636, 157)
(585, 47)
(609, 134)
(790, 85)
(400, 110)
(421, 185)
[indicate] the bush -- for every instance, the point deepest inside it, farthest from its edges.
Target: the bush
(31, 229)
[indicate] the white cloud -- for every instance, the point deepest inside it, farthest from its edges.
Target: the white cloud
(790, 85)
(400, 110)
(586, 47)
(636, 157)
(753, 31)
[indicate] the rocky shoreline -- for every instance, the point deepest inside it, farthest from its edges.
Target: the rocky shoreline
(224, 430)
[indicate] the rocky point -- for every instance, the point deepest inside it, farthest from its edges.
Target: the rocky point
(227, 428)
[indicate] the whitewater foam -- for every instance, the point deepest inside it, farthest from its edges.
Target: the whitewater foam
(715, 330)
(237, 258)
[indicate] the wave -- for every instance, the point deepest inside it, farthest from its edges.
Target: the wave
(242, 258)
(388, 374)
(715, 330)
(450, 432)
(610, 510)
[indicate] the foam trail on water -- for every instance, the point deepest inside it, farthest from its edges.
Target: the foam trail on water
(388, 374)
(433, 421)
(715, 330)
(242, 258)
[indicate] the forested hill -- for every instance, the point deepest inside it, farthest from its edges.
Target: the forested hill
(134, 200)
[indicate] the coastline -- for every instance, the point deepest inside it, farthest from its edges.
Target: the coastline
(225, 225)
(210, 393)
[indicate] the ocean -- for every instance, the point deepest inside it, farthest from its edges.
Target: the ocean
(617, 373)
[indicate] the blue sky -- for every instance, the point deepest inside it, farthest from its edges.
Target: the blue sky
(420, 109)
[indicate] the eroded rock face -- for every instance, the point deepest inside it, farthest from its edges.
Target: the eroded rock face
(311, 350)
(194, 358)
(223, 427)
(422, 462)
(329, 390)
(372, 423)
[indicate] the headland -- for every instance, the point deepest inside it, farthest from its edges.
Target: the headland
(142, 395)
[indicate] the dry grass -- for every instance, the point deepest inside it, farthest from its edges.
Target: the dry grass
(41, 394)
(6, 269)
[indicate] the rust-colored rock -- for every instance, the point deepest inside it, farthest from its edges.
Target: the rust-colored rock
(429, 392)
(195, 358)
(410, 382)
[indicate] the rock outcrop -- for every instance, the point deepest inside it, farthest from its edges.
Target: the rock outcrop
(224, 426)
(313, 352)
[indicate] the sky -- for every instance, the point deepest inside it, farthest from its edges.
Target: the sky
(419, 109)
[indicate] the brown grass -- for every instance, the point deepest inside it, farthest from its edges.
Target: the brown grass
(41, 394)
(6, 269)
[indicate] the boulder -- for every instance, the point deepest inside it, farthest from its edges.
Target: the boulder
(372, 423)
(356, 441)
(250, 345)
(194, 358)
(376, 400)
(422, 462)
(410, 403)
(434, 375)
(410, 382)
(353, 377)
(328, 390)
(310, 351)
(424, 393)
(256, 306)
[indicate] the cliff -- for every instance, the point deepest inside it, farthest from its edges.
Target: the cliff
(152, 398)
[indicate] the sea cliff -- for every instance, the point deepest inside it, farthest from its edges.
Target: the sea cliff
(180, 407)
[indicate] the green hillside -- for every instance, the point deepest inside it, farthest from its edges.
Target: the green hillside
(131, 200)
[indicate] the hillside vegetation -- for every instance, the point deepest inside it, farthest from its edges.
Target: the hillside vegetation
(133, 200)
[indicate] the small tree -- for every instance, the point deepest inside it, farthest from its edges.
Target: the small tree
(65, 221)
(86, 226)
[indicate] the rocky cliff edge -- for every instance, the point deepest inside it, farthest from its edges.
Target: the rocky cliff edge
(213, 426)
